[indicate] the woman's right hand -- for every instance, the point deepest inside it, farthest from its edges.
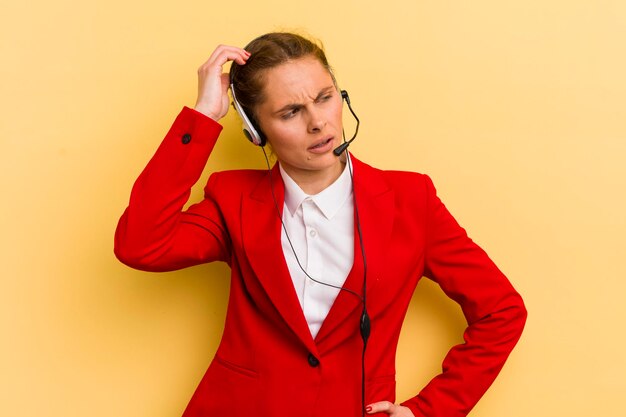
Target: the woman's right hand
(213, 82)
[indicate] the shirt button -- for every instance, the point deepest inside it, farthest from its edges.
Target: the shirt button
(312, 233)
(313, 361)
(186, 138)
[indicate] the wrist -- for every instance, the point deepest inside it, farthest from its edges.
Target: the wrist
(204, 110)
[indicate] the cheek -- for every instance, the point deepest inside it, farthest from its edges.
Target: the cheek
(336, 112)
(283, 138)
(287, 132)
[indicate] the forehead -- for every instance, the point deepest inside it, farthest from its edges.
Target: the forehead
(296, 80)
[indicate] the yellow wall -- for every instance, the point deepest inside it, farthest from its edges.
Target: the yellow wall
(515, 108)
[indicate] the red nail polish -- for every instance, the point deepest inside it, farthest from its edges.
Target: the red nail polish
(368, 408)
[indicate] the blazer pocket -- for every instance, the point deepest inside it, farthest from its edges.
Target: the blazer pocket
(227, 389)
(236, 368)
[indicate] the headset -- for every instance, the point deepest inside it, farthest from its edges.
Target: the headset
(251, 132)
(254, 134)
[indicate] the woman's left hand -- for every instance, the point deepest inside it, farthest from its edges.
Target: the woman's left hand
(387, 407)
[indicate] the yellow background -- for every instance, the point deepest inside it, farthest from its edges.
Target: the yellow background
(515, 108)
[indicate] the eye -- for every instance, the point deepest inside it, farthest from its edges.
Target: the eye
(291, 113)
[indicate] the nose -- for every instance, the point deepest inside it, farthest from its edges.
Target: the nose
(316, 121)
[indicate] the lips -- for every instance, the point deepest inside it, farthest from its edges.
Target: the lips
(321, 146)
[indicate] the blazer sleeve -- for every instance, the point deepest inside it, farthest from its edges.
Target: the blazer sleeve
(154, 233)
(494, 311)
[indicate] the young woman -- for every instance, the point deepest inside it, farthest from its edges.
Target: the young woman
(320, 246)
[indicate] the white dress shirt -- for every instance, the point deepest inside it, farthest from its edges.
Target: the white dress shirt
(321, 229)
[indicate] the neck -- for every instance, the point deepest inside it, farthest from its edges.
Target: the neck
(315, 181)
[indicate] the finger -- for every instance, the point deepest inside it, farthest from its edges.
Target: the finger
(216, 68)
(220, 56)
(237, 49)
(380, 407)
(239, 56)
(225, 81)
(225, 53)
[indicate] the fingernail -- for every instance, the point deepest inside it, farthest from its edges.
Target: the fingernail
(368, 408)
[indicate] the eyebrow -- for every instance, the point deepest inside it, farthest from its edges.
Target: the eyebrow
(292, 106)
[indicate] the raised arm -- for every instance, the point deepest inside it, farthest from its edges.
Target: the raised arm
(154, 233)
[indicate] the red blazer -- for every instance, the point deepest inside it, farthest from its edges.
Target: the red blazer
(267, 363)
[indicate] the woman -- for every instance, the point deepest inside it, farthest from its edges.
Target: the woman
(306, 243)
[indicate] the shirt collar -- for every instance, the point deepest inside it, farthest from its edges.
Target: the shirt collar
(329, 200)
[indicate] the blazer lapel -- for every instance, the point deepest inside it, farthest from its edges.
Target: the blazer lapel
(261, 230)
(375, 204)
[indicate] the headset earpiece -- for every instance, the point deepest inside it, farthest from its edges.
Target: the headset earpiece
(251, 132)
(345, 96)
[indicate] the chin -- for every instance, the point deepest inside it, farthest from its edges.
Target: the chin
(325, 161)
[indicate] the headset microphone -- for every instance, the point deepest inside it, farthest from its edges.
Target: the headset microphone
(341, 148)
